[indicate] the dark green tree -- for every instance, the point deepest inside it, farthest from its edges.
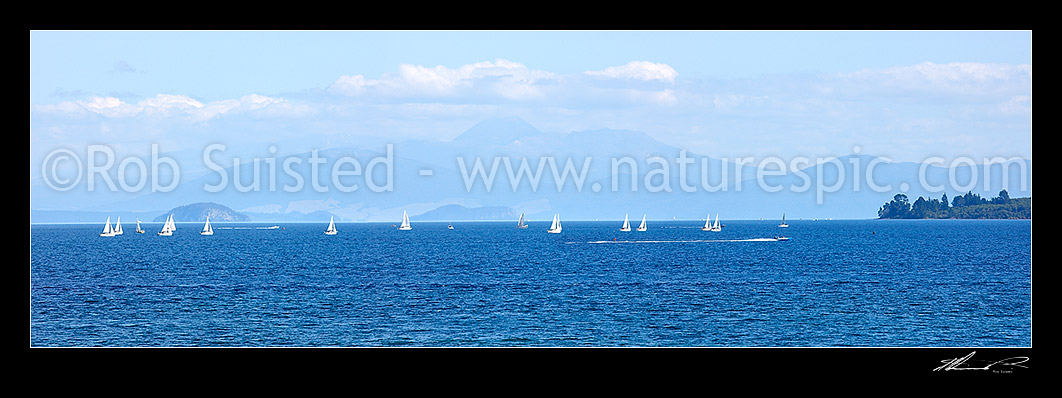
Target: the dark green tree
(958, 201)
(899, 207)
(966, 206)
(920, 208)
(1002, 199)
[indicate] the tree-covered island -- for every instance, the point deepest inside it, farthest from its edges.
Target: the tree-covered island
(968, 206)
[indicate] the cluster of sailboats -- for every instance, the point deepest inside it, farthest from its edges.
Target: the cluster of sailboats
(708, 226)
(117, 230)
(555, 227)
(168, 227)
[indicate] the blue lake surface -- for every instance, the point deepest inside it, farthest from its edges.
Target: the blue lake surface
(836, 283)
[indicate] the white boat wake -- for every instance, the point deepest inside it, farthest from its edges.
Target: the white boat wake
(683, 241)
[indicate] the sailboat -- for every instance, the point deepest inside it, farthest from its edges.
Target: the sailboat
(520, 224)
(331, 226)
(708, 226)
(138, 229)
(626, 224)
(642, 226)
(118, 226)
(206, 228)
(168, 227)
(555, 228)
(405, 222)
(107, 231)
(783, 224)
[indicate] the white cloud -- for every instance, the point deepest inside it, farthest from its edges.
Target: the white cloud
(503, 78)
(638, 70)
(968, 78)
(167, 105)
(423, 80)
(512, 81)
(349, 85)
(964, 71)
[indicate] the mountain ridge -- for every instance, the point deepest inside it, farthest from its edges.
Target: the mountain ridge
(199, 211)
(517, 141)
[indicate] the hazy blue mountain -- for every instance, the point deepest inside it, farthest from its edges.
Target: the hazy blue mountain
(462, 213)
(315, 216)
(200, 212)
(427, 175)
(497, 131)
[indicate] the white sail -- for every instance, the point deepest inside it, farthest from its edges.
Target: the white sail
(783, 224)
(641, 227)
(167, 227)
(555, 228)
(118, 226)
(107, 231)
(707, 224)
(716, 227)
(138, 229)
(331, 226)
(405, 222)
(626, 224)
(207, 230)
(520, 224)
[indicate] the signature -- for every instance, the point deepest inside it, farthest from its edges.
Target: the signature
(965, 363)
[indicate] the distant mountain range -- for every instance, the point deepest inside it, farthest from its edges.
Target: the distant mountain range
(443, 192)
(461, 213)
(201, 211)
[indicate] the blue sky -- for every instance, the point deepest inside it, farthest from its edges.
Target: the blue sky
(902, 94)
(227, 64)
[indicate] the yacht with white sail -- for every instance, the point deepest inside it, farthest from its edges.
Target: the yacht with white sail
(107, 231)
(207, 230)
(708, 226)
(138, 229)
(642, 226)
(555, 228)
(168, 227)
(405, 222)
(783, 224)
(118, 226)
(331, 226)
(520, 224)
(626, 224)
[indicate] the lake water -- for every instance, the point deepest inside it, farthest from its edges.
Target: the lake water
(835, 283)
